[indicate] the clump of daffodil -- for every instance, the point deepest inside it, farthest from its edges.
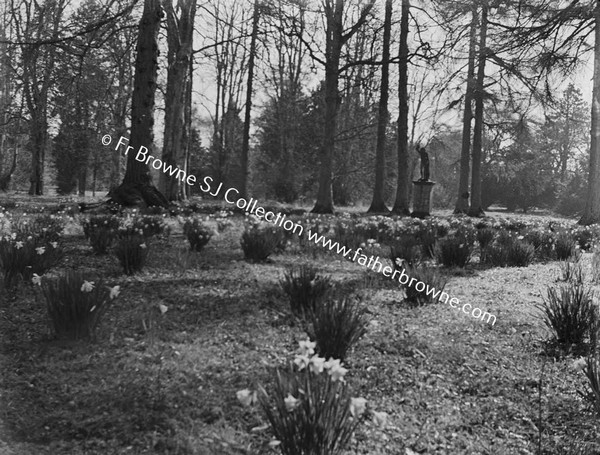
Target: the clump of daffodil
(75, 304)
(310, 406)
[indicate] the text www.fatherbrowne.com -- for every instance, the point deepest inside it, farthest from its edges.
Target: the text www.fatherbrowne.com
(403, 278)
(251, 206)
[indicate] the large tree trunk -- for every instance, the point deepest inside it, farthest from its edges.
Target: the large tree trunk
(82, 180)
(324, 203)
(246, 134)
(137, 188)
(401, 205)
(591, 214)
(476, 209)
(39, 144)
(179, 37)
(6, 178)
(378, 203)
(462, 201)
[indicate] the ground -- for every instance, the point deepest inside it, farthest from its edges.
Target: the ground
(165, 382)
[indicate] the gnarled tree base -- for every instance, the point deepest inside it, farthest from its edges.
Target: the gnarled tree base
(132, 195)
(322, 208)
(137, 195)
(379, 208)
(588, 219)
(476, 212)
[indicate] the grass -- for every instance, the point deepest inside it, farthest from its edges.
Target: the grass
(166, 383)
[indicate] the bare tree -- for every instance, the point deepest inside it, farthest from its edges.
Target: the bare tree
(592, 204)
(249, 94)
(34, 24)
(475, 208)
(137, 187)
(337, 35)
(180, 29)
(225, 38)
(462, 201)
(401, 205)
(378, 203)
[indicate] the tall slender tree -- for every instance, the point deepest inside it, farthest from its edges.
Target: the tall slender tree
(462, 201)
(592, 204)
(249, 94)
(336, 37)
(401, 205)
(378, 203)
(180, 30)
(475, 208)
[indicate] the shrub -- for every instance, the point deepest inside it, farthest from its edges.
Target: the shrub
(150, 225)
(21, 259)
(428, 239)
(536, 238)
(311, 410)
(494, 255)
(197, 233)
(519, 254)
(454, 251)
(591, 369)
(145, 225)
(505, 238)
(485, 236)
(569, 312)
(543, 242)
(258, 243)
(44, 228)
(101, 239)
(571, 272)
(585, 236)
(109, 222)
(405, 252)
(131, 251)
(348, 235)
(565, 246)
(336, 325)
(48, 228)
(9, 205)
(305, 287)
(75, 305)
(433, 281)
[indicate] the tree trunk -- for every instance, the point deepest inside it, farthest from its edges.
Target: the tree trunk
(179, 37)
(401, 205)
(36, 94)
(475, 209)
(333, 49)
(82, 180)
(137, 187)
(246, 136)
(378, 203)
(6, 178)
(462, 201)
(591, 213)
(185, 190)
(39, 143)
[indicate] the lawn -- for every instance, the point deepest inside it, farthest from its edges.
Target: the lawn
(192, 329)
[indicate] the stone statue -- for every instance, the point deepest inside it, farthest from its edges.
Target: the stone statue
(424, 164)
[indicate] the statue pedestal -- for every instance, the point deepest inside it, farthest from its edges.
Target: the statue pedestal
(422, 198)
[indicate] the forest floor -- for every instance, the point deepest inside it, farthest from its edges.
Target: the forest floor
(166, 383)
